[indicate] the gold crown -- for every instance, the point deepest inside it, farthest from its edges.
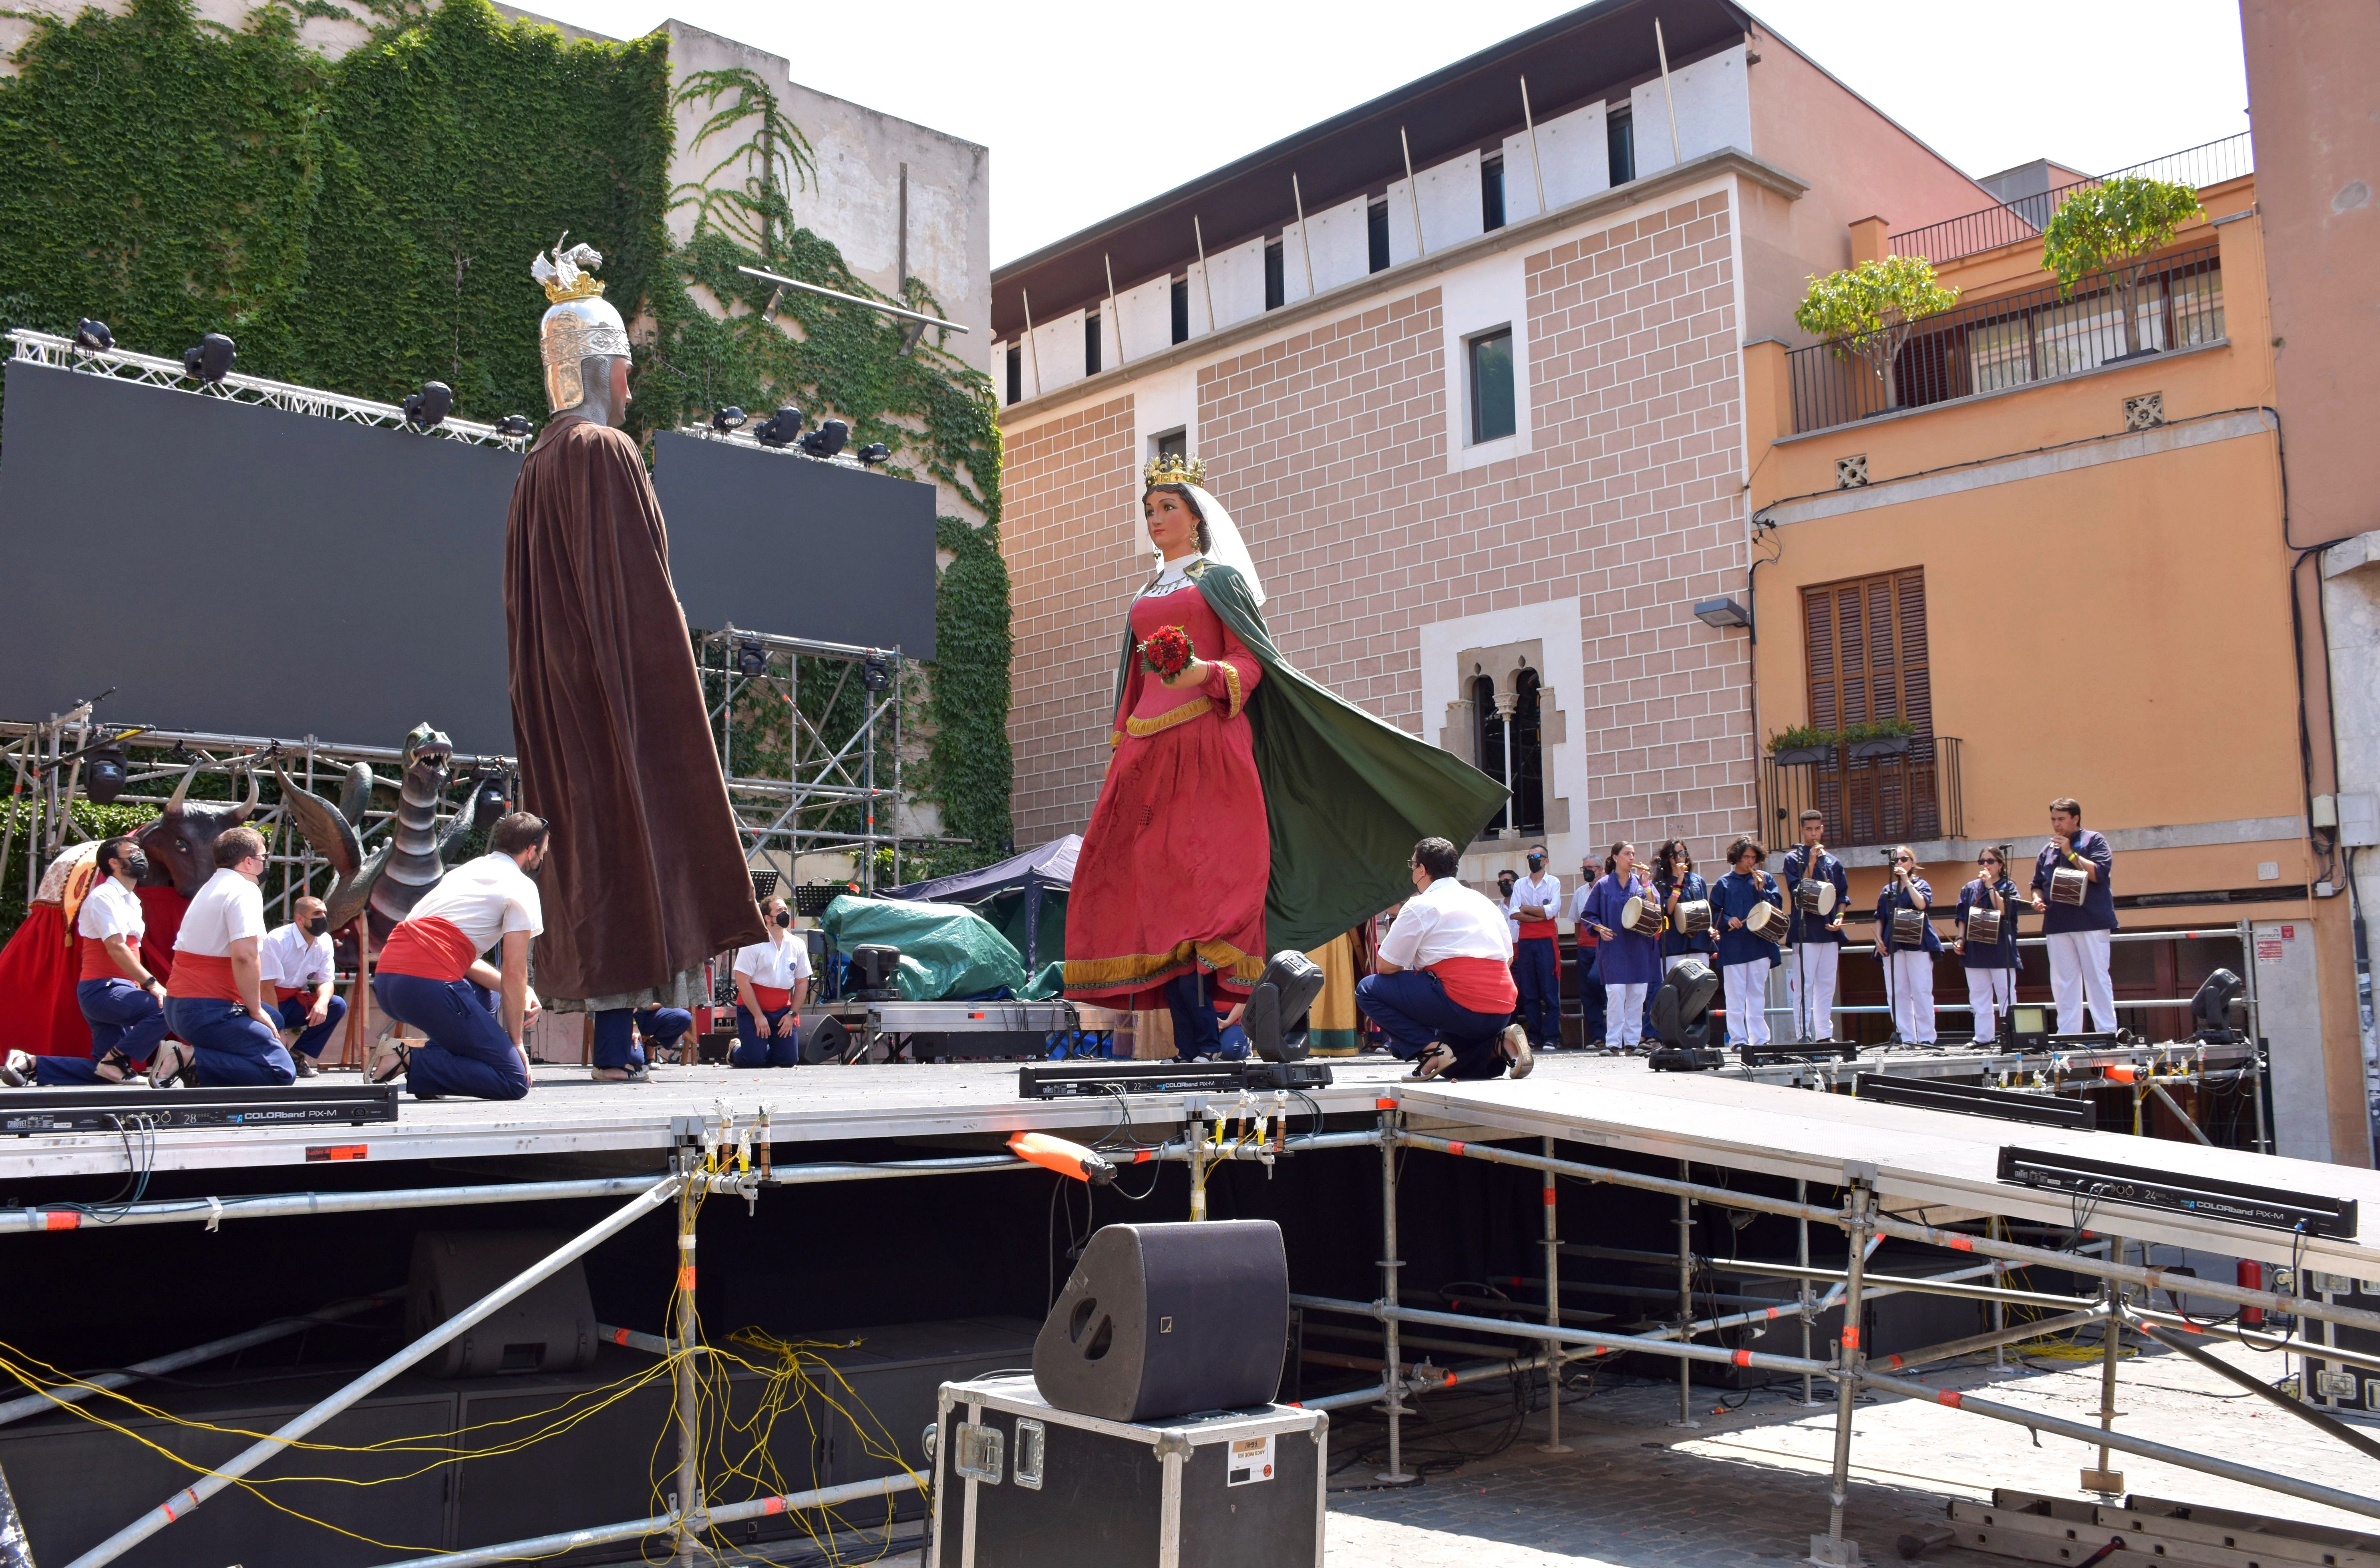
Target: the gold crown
(1171, 467)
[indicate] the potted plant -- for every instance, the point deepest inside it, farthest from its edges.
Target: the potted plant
(1869, 311)
(1800, 745)
(1880, 737)
(2117, 226)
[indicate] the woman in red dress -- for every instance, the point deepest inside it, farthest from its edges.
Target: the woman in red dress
(1168, 902)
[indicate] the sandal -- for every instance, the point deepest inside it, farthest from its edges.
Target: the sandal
(390, 1062)
(172, 1066)
(1516, 1046)
(1436, 1058)
(17, 1069)
(116, 1060)
(637, 1074)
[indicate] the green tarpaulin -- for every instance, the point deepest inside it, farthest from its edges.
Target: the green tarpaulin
(945, 951)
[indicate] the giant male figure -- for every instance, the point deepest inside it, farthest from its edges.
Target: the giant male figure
(645, 878)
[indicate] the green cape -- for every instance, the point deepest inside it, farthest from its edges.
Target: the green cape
(1347, 794)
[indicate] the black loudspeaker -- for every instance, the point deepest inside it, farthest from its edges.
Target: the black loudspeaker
(1275, 1020)
(1161, 1320)
(830, 1040)
(551, 1329)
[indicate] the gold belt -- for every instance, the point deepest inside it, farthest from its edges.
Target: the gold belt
(1181, 715)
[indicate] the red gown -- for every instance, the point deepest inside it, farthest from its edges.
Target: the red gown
(1174, 864)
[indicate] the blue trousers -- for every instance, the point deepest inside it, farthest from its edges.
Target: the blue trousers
(664, 1026)
(1537, 969)
(1414, 1010)
(469, 1052)
(122, 1017)
(312, 1038)
(1196, 1030)
(615, 1041)
(755, 1047)
(1590, 999)
(233, 1048)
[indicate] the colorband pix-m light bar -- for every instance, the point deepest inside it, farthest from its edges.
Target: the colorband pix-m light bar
(2272, 1209)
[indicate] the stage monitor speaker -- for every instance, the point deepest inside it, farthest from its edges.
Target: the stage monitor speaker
(550, 1330)
(829, 1041)
(1162, 1320)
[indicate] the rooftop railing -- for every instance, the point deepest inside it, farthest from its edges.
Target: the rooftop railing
(2209, 164)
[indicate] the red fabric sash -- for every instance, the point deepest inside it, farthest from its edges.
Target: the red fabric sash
(282, 993)
(428, 947)
(202, 974)
(1533, 930)
(769, 997)
(98, 963)
(1482, 985)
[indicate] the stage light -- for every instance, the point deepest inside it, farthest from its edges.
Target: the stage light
(2218, 1011)
(488, 803)
(875, 452)
(780, 428)
(108, 771)
(1682, 1018)
(93, 335)
(728, 418)
(1722, 612)
(211, 358)
(752, 659)
(512, 424)
(827, 440)
(428, 408)
(876, 675)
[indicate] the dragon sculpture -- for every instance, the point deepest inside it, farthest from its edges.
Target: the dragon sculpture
(397, 874)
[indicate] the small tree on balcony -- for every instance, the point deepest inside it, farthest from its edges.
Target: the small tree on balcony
(1870, 310)
(2117, 226)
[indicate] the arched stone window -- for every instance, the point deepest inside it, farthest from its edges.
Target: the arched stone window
(1527, 749)
(1487, 720)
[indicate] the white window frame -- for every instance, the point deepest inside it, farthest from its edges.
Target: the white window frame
(1478, 298)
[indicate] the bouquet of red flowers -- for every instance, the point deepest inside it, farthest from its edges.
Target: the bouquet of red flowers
(1167, 651)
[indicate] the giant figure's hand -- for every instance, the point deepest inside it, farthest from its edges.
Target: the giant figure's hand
(1192, 677)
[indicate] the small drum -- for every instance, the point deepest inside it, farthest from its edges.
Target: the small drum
(1983, 927)
(1769, 923)
(1695, 919)
(1815, 897)
(2067, 885)
(1643, 916)
(1908, 927)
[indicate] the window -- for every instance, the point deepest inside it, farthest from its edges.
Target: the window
(1376, 220)
(1528, 779)
(1091, 341)
(1015, 372)
(1172, 443)
(1276, 280)
(1619, 140)
(1491, 193)
(1491, 386)
(1866, 649)
(1181, 309)
(1489, 737)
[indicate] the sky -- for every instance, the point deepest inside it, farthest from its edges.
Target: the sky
(1090, 108)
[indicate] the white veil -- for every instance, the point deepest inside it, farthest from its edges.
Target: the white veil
(1229, 548)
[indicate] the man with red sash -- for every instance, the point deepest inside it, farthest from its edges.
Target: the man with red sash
(119, 997)
(299, 967)
(432, 976)
(768, 977)
(1444, 990)
(224, 1032)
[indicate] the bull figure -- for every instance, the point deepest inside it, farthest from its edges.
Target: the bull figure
(181, 843)
(394, 880)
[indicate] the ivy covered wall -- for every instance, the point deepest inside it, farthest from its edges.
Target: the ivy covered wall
(366, 224)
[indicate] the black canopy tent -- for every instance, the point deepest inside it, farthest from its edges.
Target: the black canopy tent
(1036, 880)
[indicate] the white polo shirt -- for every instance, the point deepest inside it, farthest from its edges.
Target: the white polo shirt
(111, 909)
(780, 965)
(291, 960)
(1447, 920)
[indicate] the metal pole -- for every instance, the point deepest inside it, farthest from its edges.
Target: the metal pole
(1536, 164)
(1685, 1223)
(1412, 193)
(1389, 1263)
(2258, 1066)
(1802, 1256)
(1304, 235)
(1553, 1356)
(1206, 273)
(1198, 1139)
(249, 1459)
(897, 689)
(1115, 311)
(1032, 345)
(686, 1502)
(1676, 155)
(2257, 1386)
(1992, 1227)
(1859, 1201)
(2111, 1299)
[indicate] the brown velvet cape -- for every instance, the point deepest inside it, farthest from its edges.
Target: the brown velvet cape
(645, 876)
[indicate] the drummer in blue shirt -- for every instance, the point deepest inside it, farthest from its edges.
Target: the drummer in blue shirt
(1743, 957)
(1909, 960)
(1627, 963)
(1676, 882)
(1991, 966)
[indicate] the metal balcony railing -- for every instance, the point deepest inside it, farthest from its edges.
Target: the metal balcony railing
(2012, 340)
(1907, 798)
(2211, 162)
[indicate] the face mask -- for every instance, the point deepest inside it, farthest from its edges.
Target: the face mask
(1536, 862)
(134, 864)
(784, 920)
(318, 925)
(534, 867)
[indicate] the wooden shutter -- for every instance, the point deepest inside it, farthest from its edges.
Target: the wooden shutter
(1866, 652)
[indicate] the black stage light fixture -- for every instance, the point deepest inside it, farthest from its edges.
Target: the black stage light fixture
(512, 424)
(488, 802)
(2100, 1181)
(728, 418)
(108, 772)
(781, 429)
(211, 358)
(876, 675)
(827, 440)
(875, 452)
(1682, 1019)
(752, 659)
(93, 335)
(875, 968)
(2219, 1011)
(1967, 1099)
(428, 408)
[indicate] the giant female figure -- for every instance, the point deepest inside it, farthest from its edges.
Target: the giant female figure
(1246, 810)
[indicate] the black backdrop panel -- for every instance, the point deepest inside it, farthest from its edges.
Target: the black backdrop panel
(284, 574)
(781, 543)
